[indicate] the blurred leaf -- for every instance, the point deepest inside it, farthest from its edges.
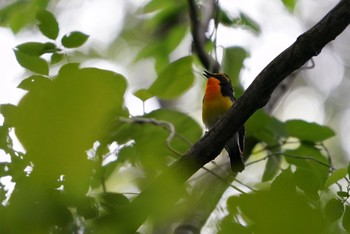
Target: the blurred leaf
(157, 5)
(160, 48)
(310, 164)
(311, 185)
(284, 183)
(342, 194)
(271, 168)
(266, 213)
(56, 58)
(266, 128)
(233, 63)
(150, 147)
(289, 4)
(4, 134)
(349, 170)
(188, 131)
(19, 14)
(224, 18)
(247, 22)
(335, 176)
(36, 48)
(48, 24)
(32, 63)
(9, 113)
(34, 81)
(174, 80)
(334, 209)
(305, 131)
(305, 155)
(59, 122)
(74, 39)
(87, 208)
(227, 226)
(114, 201)
(346, 218)
(127, 153)
(143, 94)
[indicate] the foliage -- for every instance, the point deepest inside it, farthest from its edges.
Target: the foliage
(78, 138)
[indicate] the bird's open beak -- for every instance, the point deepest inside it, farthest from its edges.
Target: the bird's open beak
(208, 74)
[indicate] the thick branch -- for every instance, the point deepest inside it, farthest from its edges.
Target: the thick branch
(256, 96)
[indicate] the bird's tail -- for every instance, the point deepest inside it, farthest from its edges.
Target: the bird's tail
(234, 148)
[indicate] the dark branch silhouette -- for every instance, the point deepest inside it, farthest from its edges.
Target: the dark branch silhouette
(198, 30)
(257, 95)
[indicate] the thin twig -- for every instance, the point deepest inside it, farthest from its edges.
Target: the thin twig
(168, 126)
(223, 180)
(241, 183)
(291, 156)
(328, 154)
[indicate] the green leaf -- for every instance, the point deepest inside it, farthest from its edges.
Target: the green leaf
(342, 194)
(224, 18)
(306, 131)
(266, 128)
(174, 80)
(154, 154)
(266, 212)
(346, 218)
(74, 39)
(32, 63)
(157, 5)
(247, 22)
(35, 81)
(272, 167)
(59, 122)
(36, 48)
(160, 48)
(188, 131)
(311, 185)
(143, 94)
(289, 4)
(114, 201)
(48, 24)
(233, 63)
(284, 183)
(334, 209)
(18, 14)
(56, 58)
(87, 208)
(9, 113)
(229, 226)
(310, 164)
(335, 176)
(349, 170)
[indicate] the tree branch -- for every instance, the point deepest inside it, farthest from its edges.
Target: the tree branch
(198, 32)
(255, 97)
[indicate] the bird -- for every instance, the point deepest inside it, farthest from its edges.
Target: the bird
(218, 98)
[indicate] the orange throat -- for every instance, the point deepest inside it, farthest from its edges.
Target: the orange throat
(214, 103)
